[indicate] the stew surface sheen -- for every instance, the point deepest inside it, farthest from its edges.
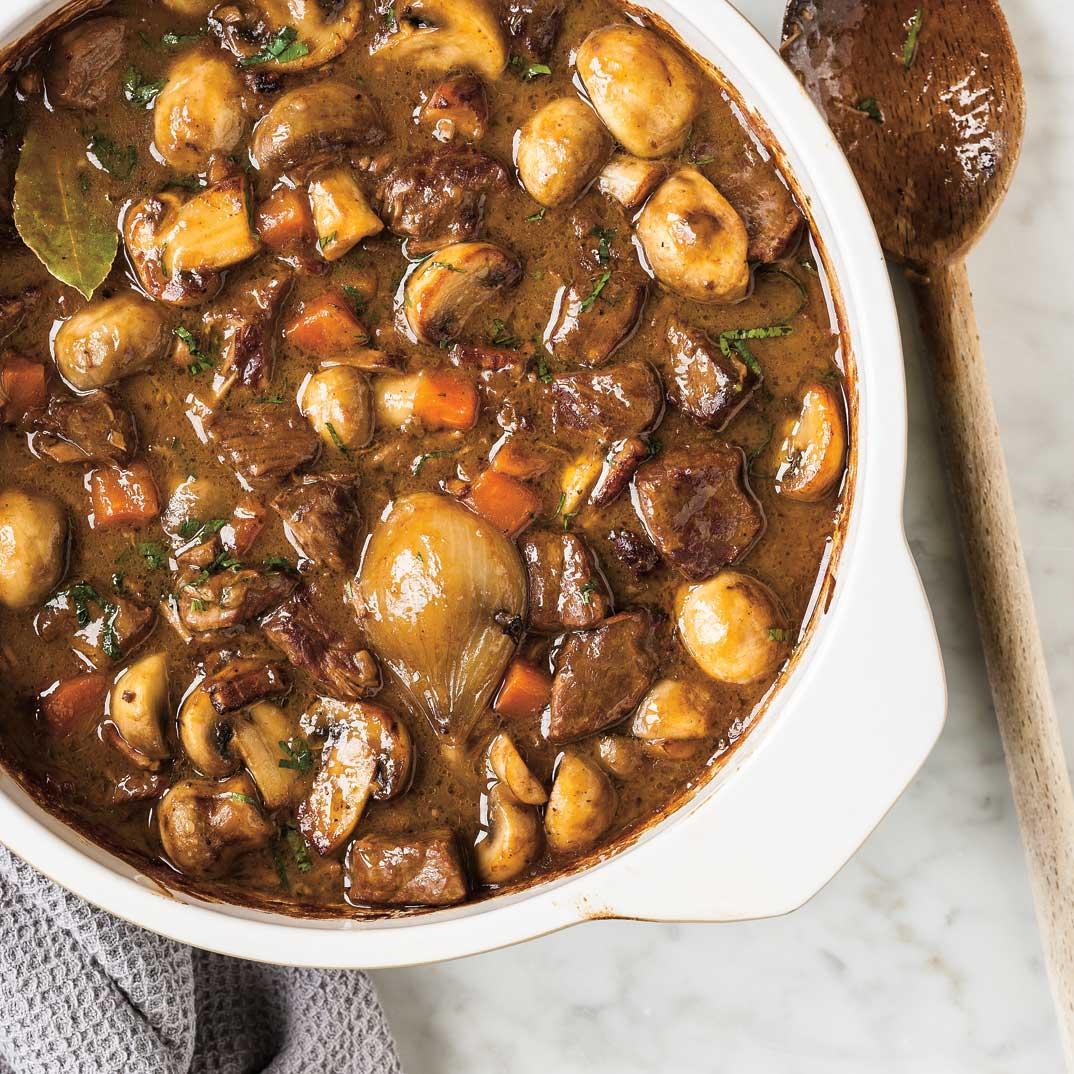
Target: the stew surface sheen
(438, 478)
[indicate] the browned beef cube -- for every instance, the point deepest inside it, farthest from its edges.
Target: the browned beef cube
(241, 682)
(601, 675)
(264, 442)
(534, 26)
(321, 513)
(82, 66)
(565, 589)
(596, 317)
(229, 598)
(419, 869)
(634, 551)
(703, 381)
(92, 428)
(248, 331)
(697, 508)
(613, 404)
(773, 222)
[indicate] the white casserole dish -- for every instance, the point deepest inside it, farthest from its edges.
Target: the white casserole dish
(850, 725)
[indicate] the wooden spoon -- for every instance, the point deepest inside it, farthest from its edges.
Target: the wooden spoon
(926, 98)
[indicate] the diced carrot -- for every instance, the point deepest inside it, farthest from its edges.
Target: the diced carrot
(525, 691)
(506, 503)
(247, 521)
(22, 386)
(326, 326)
(284, 218)
(123, 496)
(518, 459)
(446, 399)
(74, 705)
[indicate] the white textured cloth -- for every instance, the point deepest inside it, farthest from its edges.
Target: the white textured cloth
(82, 992)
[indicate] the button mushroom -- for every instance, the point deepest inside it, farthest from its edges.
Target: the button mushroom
(199, 111)
(447, 35)
(109, 339)
(138, 706)
(675, 717)
(560, 150)
(514, 839)
(643, 88)
(33, 547)
(338, 403)
(695, 242)
(733, 627)
(257, 737)
(581, 806)
(324, 30)
(315, 123)
(445, 290)
(814, 446)
(342, 215)
(630, 180)
(205, 826)
(513, 772)
(369, 754)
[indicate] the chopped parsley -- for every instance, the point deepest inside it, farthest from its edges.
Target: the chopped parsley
(201, 361)
(297, 755)
(591, 300)
(174, 40)
(604, 248)
(154, 556)
(356, 297)
(537, 216)
(535, 70)
(559, 506)
(544, 374)
(80, 595)
(702, 161)
(326, 241)
(447, 265)
(336, 439)
(278, 565)
(502, 336)
(735, 341)
(913, 30)
(109, 639)
(421, 460)
(284, 48)
(777, 634)
(298, 848)
(198, 605)
(117, 162)
(244, 798)
(275, 400)
(194, 527)
(281, 865)
(138, 90)
(390, 20)
(654, 445)
(869, 107)
(587, 591)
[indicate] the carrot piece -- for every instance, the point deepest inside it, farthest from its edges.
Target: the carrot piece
(524, 692)
(446, 399)
(284, 218)
(123, 496)
(22, 386)
(516, 459)
(506, 503)
(327, 326)
(75, 704)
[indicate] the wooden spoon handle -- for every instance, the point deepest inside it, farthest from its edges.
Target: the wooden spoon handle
(1012, 647)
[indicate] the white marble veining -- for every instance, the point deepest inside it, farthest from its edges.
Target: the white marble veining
(922, 955)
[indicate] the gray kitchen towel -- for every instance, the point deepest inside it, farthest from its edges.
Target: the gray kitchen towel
(82, 992)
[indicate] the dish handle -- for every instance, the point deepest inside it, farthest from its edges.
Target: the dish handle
(841, 750)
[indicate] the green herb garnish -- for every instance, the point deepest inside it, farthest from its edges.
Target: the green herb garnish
(298, 849)
(869, 107)
(109, 639)
(390, 19)
(244, 798)
(501, 336)
(173, 40)
(913, 30)
(201, 361)
(284, 48)
(604, 249)
(328, 240)
(80, 594)
(421, 460)
(544, 374)
(587, 591)
(777, 634)
(194, 527)
(154, 556)
(336, 439)
(446, 265)
(589, 302)
(275, 400)
(535, 70)
(537, 216)
(735, 341)
(138, 90)
(297, 755)
(117, 162)
(277, 564)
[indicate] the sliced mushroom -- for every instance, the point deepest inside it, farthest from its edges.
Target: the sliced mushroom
(514, 839)
(513, 772)
(642, 86)
(315, 123)
(619, 755)
(560, 151)
(109, 339)
(199, 111)
(675, 711)
(325, 30)
(394, 399)
(631, 180)
(33, 547)
(342, 215)
(338, 403)
(445, 290)
(695, 242)
(578, 478)
(733, 627)
(447, 35)
(458, 107)
(205, 826)
(216, 743)
(138, 706)
(581, 806)
(369, 754)
(814, 446)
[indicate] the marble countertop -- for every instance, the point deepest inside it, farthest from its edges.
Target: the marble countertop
(922, 954)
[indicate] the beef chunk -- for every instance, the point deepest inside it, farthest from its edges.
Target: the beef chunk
(90, 428)
(241, 682)
(82, 68)
(103, 626)
(564, 586)
(264, 442)
(230, 597)
(703, 381)
(618, 402)
(459, 106)
(341, 668)
(419, 869)
(619, 466)
(322, 515)
(591, 326)
(634, 551)
(773, 221)
(534, 26)
(697, 507)
(601, 675)
(439, 197)
(248, 332)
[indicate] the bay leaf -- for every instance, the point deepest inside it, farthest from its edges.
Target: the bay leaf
(62, 209)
